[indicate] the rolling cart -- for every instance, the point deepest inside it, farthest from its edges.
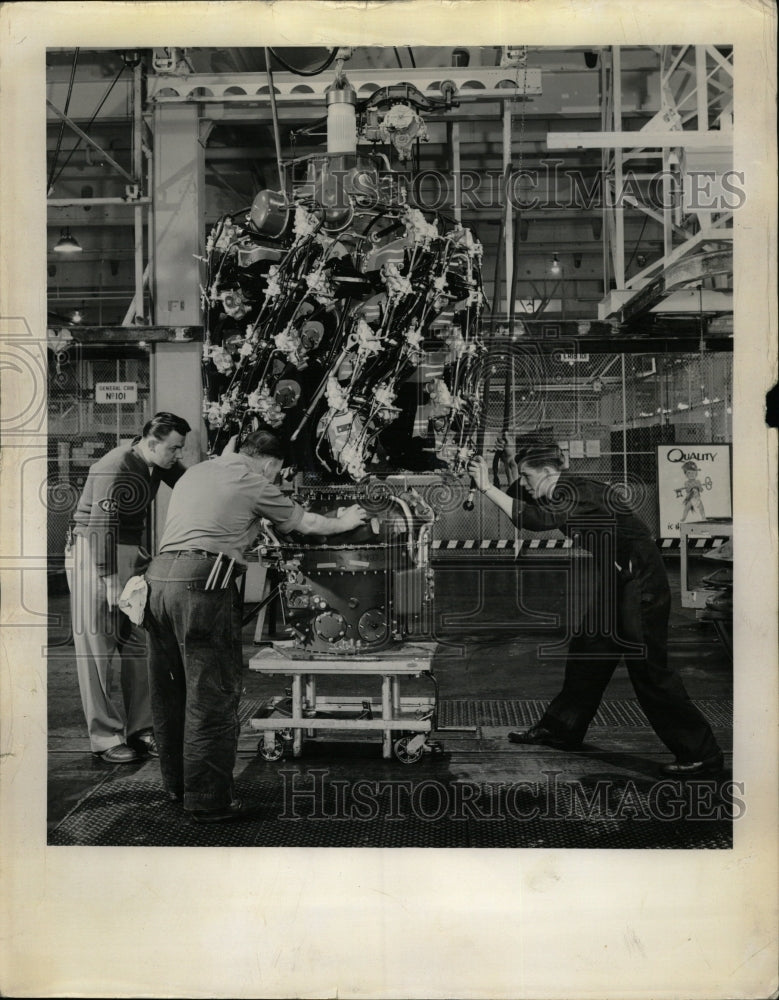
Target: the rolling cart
(705, 585)
(404, 723)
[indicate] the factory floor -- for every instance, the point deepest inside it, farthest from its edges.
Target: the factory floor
(495, 672)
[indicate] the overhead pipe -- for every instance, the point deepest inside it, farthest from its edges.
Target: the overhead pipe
(147, 152)
(137, 161)
(84, 202)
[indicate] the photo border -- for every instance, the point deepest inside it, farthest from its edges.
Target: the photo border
(387, 923)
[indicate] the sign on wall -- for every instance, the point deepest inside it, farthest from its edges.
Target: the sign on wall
(693, 483)
(116, 392)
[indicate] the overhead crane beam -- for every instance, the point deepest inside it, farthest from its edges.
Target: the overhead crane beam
(692, 268)
(663, 136)
(475, 83)
(668, 139)
(678, 275)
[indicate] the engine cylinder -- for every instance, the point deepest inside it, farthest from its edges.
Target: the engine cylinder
(341, 120)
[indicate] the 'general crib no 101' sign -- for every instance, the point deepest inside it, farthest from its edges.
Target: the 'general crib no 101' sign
(116, 392)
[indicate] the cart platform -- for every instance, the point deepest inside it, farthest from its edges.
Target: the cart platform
(403, 722)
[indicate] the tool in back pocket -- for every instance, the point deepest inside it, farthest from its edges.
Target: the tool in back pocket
(213, 582)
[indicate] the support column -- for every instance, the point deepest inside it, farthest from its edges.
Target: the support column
(179, 214)
(701, 89)
(176, 386)
(619, 155)
(453, 135)
(179, 238)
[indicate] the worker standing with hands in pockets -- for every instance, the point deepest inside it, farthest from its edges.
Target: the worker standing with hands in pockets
(104, 551)
(630, 605)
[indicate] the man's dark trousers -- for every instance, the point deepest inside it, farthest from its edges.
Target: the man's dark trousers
(639, 631)
(195, 668)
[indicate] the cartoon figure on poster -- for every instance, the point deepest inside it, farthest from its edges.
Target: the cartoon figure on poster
(693, 483)
(691, 493)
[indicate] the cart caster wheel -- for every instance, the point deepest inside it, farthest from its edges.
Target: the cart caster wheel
(286, 734)
(276, 752)
(408, 750)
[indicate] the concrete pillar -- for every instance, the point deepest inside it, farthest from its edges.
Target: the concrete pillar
(176, 387)
(179, 238)
(179, 214)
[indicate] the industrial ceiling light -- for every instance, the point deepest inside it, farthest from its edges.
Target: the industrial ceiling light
(555, 268)
(76, 316)
(67, 243)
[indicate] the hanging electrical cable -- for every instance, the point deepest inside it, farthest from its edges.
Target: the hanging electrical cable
(305, 72)
(411, 56)
(62, 123)
(275, 116)
(509, 386)
(91, 120)
(517, 215)
(397, 56)
(500, 256)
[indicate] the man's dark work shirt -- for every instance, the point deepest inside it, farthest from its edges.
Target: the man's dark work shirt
(587, 511)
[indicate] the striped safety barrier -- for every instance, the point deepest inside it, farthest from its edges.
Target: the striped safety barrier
(502, 543)
(714, 542)
(481, 544)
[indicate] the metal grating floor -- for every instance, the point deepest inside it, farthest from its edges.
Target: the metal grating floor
(522, 712)
(483, 792)
(606, 795)
(133, 811)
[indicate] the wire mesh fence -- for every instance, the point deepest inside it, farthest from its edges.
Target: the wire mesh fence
(86, 419)
(607, 412)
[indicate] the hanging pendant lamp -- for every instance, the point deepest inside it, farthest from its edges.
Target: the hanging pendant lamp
(67, 243)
